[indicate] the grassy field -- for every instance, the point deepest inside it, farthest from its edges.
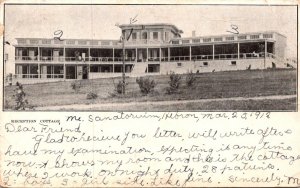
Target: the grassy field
(229, 105)
(207, 86)
(266, 105)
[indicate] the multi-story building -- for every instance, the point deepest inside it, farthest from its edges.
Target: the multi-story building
(149, 49)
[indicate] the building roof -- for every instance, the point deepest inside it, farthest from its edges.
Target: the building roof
(230, 35)
(152, 25)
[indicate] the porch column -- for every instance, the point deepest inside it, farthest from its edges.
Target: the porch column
(147, 54)
(238, 50)
(266, 47)
(213, 51)
(89, 54)
(169, 51)
(190, 53)
(52, 71)
(38, 54)
(89, 70)
(64, 55)
(65, 71)
(113, 55)
(39, 70)
(159, 54)
(265, 53)
(136, 55)
(28, 71)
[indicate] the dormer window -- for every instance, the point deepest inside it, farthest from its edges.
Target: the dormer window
(155, 35)
(167, 36)
(144, 35)
(133, 36)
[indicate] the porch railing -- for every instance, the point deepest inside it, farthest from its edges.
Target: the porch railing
(153, 59)
(26, 58)
(202, 57)
(179, 58)
(27, 75)
(252, 55)
(32, 76)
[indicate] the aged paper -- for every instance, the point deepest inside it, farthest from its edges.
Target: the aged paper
(149, 95)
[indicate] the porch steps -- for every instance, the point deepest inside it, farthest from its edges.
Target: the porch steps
(139, 69)
(285, 62)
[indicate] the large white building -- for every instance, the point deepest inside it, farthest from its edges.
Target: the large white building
(149, 49)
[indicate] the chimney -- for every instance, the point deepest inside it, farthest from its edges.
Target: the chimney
(193, 33)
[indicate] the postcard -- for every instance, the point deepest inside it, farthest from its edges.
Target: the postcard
(151, 94)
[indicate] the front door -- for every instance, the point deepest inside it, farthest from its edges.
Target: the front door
(71, 72)
(85, 72)
(79, 72)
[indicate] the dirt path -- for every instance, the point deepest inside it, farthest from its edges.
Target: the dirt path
(129, 104)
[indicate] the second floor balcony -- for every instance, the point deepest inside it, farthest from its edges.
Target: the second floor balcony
(50, 59)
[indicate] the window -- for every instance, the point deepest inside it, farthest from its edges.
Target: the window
(93, 42)
(229, 38)
(166, 36)
(265, 36)
(205, 63)
(179, 64)
(133, 36)
(155, 35)
(185, 41)
(144, 35)
(196, 40)
(254, 36)
(56, 41)
(233, 63)
(243, 37)
(21, 41)
(218, 39)
(206, 39)
(82, 42)
(70, 41)
(175, 42)
(46, 41)
(105, 43)
(33, 41)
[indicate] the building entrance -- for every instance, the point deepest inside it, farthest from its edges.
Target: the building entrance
(71, 72)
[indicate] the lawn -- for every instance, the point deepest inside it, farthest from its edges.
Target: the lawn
(228, 105)
(207, 86)
(251, 105)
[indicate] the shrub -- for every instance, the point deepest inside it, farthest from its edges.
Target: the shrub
(190, 79)
(75, 86)
(91, 95)
(21, 101)
(119, 87)
(8, 79)
(146, 85)
(174, 83)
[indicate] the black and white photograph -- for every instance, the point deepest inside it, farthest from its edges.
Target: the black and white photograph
(149, 93)
(151, 57)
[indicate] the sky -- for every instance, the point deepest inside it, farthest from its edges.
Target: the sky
(99, 21)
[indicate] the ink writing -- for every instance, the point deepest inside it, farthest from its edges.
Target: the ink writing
(234, 29)
(97, 150)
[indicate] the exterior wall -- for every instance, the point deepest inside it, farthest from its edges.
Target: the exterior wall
(169, 67)
(280, 46)
(161, 34)
(114, 75)
(95, 75)
(34, 81)
(217, 65)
